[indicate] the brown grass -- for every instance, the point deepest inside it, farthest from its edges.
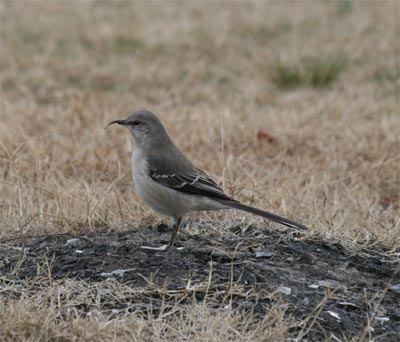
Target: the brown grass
(70, 310)
(327, 157)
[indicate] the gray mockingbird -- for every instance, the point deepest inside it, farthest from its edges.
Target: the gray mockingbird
(169, 183)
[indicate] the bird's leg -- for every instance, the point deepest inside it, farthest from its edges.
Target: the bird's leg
(175, 231)
(176, 222)
(172, 223)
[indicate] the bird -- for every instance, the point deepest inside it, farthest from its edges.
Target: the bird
(166, 180)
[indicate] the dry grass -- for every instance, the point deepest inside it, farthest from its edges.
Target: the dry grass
(325, 157)
(70, 310)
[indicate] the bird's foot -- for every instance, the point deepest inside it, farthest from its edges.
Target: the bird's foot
(162, 248)
(157, 249)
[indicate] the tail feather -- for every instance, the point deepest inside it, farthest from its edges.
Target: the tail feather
(262, 213)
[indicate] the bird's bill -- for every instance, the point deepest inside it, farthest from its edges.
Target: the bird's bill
(119, 122)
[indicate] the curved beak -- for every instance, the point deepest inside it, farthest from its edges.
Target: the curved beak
(119, 122)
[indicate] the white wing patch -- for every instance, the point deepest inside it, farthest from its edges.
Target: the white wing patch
(191, 183)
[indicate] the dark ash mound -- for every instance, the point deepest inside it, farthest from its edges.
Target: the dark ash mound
(315, 278)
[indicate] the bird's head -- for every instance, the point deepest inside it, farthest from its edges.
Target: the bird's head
(144, 126)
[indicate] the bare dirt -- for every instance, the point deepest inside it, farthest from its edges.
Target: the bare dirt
(333, 290)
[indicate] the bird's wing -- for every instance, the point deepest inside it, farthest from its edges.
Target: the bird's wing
(173, 170)
(196, 183)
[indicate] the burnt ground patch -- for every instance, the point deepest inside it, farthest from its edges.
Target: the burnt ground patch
(326, 287)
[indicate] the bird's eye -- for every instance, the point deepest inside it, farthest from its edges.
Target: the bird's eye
(135, 123)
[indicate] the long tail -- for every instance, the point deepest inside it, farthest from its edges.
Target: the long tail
(262, 213)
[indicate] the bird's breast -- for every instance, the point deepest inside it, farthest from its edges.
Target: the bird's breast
(147, 189)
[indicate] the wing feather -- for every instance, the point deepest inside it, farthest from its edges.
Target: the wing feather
(198, 183)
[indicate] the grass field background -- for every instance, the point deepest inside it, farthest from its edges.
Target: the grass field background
(292, 107)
